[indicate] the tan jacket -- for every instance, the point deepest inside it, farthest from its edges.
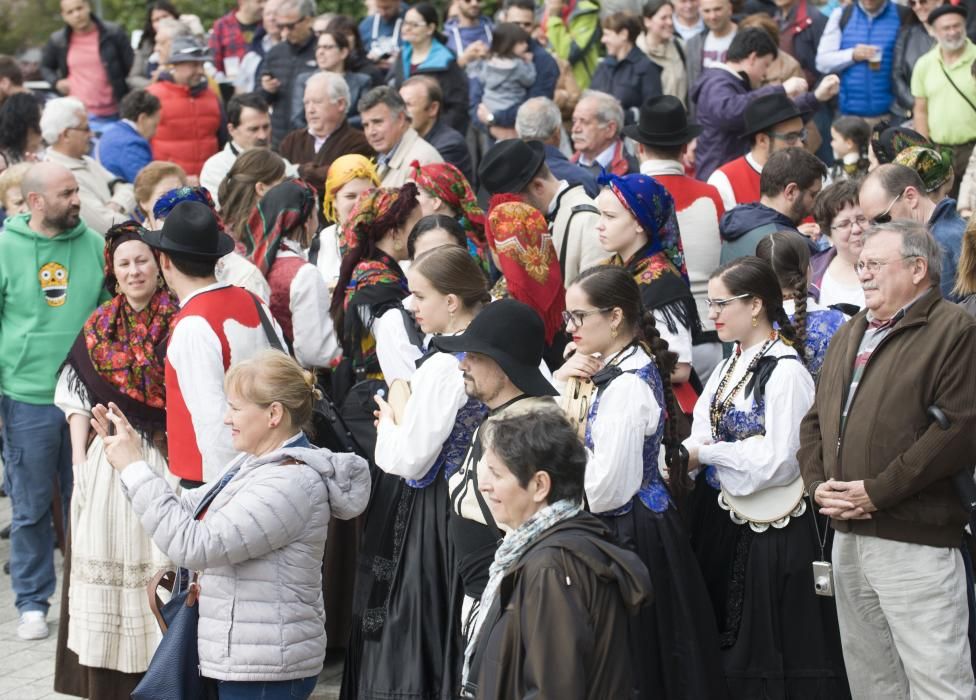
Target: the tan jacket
(575, 216)
(396, 171)
(97, 187)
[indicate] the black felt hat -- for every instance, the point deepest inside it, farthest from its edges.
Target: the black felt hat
(191, 230)
(513, 335)
(663, 121)
(510, 165)
(767, 111)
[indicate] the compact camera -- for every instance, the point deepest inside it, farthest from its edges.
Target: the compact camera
(823, 578)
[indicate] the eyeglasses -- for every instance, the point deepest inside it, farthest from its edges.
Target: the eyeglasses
(719, 304)
(415, 25)
(290, 26)
(861, 221)
(327, 47)
(885, 216)
(577, 317)
(793, 137)
(86, 128)
(873, 266)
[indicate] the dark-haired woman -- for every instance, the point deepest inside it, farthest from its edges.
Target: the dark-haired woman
(779, 639)
(156, 11)
(661, 46)
(789, 256)
(418, 651)
(434, 231)
(356, 61)
(626, 72)
(424, 53)
(618, 347)
(332, 50)
(20, 129)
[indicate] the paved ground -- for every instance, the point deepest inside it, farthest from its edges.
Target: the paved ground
(27, 668)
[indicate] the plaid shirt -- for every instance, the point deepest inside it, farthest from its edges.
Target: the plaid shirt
(227, 39)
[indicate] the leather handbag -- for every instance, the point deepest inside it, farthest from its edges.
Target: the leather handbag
(174, 671)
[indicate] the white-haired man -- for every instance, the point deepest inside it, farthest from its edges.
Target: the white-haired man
(106, 200)
(539, 119)
(597, 122)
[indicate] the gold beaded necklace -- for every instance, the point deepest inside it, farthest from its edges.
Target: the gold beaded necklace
(718, 406)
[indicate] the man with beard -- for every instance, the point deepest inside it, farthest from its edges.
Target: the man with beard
(249, 126)
(790, 181)
(945, 93)
(51, 277)
(503, 349)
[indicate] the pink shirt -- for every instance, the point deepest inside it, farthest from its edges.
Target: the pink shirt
(87, 77)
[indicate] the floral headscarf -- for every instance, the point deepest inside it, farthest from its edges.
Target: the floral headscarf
(519, 234)
(888, 141)
(446, 182)
(651, 204)
(344, 170)
(286, 206)
(165, 204)
(933, 167)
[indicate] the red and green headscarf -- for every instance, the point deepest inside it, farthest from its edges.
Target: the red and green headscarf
(447, 183)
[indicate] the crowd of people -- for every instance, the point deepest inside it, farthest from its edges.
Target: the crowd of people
(586, 349)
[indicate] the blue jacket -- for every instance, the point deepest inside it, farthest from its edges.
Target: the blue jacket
(441, 65)
(385, 34)
(123, 151)
(742, 227)
(947, 227)
(865, 92)
(459, 38)
(563, 169)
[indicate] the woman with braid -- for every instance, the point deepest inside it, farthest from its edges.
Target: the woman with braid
(618, 347)
(789, 257)
(779, 638)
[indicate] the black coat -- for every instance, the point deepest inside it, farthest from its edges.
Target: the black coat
(453, 149)
(452, 79)
(286, 62)
(631, 80)
(113, 48)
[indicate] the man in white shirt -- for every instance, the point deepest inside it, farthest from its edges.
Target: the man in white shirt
(249, 127)
(105, 199)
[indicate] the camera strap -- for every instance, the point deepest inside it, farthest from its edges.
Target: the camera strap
(821, 541)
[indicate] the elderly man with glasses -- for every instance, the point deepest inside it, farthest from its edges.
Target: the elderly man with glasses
(892, 192)
(881, 469)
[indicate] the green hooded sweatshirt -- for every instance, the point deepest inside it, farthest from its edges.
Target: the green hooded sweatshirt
(48, 289)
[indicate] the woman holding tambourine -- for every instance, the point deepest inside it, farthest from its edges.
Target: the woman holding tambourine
(754, 540)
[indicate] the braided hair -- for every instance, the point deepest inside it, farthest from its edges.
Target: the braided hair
(788, 255)
(755, 277)
(610, 286)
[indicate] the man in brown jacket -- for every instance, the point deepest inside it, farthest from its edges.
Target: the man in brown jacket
(328, 135)
(882, 471)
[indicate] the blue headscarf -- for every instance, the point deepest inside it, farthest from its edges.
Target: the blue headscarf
(653, 207)
(164, 205)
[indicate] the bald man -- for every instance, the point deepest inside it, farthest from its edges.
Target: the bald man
(51, 274)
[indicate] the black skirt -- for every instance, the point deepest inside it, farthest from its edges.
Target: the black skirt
(403, 644)
(674, 639)
(779, 639)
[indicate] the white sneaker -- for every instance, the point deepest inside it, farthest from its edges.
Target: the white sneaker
(33, 625)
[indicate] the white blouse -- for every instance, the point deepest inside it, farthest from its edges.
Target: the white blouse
(437, 394)
(628, 412)
(329, 259)
(314, 338)
(760, 461)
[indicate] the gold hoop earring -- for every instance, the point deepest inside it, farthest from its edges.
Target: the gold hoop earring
(755, 321)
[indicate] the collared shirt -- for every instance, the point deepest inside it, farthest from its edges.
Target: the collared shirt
(551, 210)
(318, 141)
(384, 158)
(604, 157)
(952, 119)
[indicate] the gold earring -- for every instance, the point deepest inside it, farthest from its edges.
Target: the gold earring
(118, 288)
(755, 321)
(613, 332)
(160, 282)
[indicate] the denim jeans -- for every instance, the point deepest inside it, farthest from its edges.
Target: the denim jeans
(299, 689)
(36, 448)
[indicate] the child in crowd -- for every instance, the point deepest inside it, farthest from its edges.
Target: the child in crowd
(849, 138)
(509, 72)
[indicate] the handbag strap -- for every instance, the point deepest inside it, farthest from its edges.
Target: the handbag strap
(269, 330)
(956, 87)
(167, 579)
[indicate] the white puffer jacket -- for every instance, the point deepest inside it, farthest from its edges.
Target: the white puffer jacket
(259, 549)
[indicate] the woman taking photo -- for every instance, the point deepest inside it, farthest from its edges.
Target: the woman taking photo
(553, 617)
(833, 279)
(618, 348)
(778, 637)
(626, 72)
(442, 189)
(424, 53)
(258, 535)
(419, 647)
(348, 177)
(279, 231)
(107, 633)
(789, 256)
(661, 46)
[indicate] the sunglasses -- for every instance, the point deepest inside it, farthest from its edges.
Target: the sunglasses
(885, 216)
(290, 26)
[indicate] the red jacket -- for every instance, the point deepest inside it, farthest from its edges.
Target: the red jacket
(191, 118)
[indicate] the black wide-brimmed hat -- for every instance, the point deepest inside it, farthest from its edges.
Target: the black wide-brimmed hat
(767, 111)
(510, 165)
(663, 121)
(513, 335)
(191, 230)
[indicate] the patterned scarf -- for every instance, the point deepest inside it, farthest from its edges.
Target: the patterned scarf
(165, 204)
(344, 170)
(447, 183)
(286, 207)
(376, 209)
(508, 553)
(519, 234)
(653, 208)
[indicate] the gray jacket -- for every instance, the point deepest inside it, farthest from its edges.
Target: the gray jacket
(259, 549)
(505, 85)
(912, 42)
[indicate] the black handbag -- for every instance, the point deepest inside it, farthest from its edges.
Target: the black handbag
(174, 671)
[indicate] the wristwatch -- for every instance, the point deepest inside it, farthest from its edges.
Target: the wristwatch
(491, 119)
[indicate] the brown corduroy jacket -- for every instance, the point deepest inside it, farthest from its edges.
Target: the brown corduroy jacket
(906, 461)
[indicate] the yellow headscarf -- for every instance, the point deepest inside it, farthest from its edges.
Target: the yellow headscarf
(343, 170)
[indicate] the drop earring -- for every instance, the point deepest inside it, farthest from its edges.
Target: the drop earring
(613, 332)
(755, 321)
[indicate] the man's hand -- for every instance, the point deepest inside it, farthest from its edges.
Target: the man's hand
(474, 52)
(270, 84)
(63, 86)
(864, 52)
(828, 88)
(795, 87)
(484, 114)
(844, 500)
